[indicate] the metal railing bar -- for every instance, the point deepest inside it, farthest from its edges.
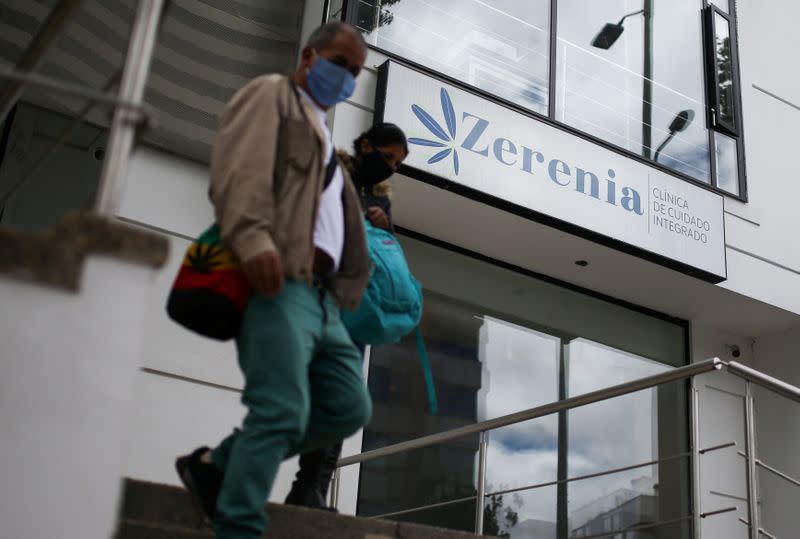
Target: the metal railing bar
(730, 496)
(765, 533)
(423, 507)
(144, 30)
(718, 512)
(725, 391)
(750, 443)
(775, 471)
(334, 488)
(121, 134)
(532, 487)
(633, 386)
(761, 531)
(716, 447)
(143, 111)
(591, 475)
(483, 450)
(637, 528)
(696, 452)
(764, 380)
(56, 20)
(50, 152)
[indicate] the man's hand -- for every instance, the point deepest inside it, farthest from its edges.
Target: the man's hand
(265, 273)
(378, 217)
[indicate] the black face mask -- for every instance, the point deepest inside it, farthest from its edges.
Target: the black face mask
(371, 169)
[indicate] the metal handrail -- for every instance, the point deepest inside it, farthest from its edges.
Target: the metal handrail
(761, 464)
(633, 386)
(751, 376)
(139, 113)
(535, 486)
(764, 380)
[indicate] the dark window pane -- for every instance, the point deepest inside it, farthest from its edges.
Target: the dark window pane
(724, 66)
(601, 84)
(500, 46)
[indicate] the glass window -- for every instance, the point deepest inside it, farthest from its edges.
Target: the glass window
(724, 101)
(500, 342)
(632, 429)
(727, 163)
(500, 46)
(628, 72)
(638, 89)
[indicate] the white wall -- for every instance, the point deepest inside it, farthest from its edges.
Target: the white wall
(67, 367)
(768, 40)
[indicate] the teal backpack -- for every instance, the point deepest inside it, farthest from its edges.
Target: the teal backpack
(391, 307)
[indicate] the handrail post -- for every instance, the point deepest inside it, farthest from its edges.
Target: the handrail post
(134, 80)
(696, 492)
(750, 443)
(481, 494)
(337, 480)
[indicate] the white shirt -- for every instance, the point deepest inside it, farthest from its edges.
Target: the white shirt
(329, 228)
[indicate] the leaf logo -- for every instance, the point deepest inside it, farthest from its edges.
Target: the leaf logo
(448, 137)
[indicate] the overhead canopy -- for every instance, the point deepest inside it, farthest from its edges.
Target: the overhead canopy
(207, 49)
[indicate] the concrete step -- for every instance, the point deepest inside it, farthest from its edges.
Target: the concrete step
(154, 511)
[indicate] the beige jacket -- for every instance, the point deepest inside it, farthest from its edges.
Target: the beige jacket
(267, 174)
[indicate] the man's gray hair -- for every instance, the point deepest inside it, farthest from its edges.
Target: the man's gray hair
(322, 37)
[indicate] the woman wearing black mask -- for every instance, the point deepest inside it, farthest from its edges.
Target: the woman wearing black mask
(378, 154)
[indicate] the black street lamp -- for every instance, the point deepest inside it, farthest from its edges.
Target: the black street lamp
(679, 123)
(610, 32)
(606, 38)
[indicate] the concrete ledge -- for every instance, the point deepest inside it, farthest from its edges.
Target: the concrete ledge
(56, 257)
(153, 511)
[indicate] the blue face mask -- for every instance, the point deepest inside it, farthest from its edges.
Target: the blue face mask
(329, 83)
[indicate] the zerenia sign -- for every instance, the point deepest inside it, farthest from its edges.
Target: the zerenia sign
(496, 151)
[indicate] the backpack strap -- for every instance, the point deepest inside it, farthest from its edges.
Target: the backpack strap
(330, 170)
(433, 404)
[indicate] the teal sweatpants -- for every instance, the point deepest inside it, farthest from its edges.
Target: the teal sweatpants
(304, 390)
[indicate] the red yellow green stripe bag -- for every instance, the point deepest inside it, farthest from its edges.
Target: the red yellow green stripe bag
(210, 291)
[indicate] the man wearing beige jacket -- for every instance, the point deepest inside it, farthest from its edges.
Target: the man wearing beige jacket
(290, 212)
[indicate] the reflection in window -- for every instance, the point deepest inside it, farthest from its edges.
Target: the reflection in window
(500, 342)
(611, 434)
(600, 86)
(724, 66)
(727, 163)
(500, 46)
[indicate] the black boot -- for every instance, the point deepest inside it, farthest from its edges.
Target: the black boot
(316, 469)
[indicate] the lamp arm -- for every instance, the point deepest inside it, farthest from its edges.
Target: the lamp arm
(662, 145)
(629, 15)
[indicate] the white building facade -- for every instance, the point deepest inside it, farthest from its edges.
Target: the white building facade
(596, 192)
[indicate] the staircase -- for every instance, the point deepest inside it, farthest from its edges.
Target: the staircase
(154, 511)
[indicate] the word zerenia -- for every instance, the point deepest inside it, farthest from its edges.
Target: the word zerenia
(558, 171)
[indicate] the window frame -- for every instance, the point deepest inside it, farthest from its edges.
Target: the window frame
(349, 14)
(714, 98)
